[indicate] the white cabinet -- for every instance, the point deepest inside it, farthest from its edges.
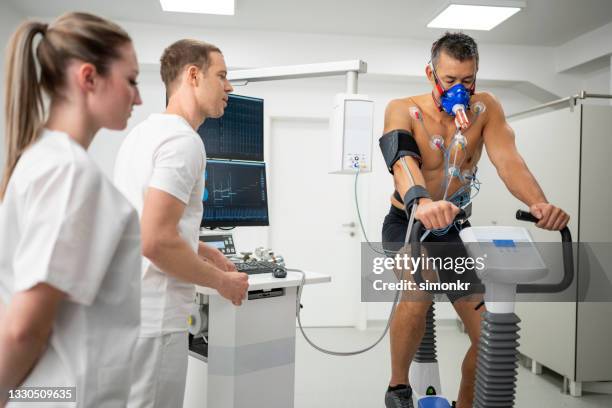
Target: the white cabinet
(574, 339)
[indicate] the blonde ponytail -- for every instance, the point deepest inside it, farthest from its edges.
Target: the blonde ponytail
(23, 107)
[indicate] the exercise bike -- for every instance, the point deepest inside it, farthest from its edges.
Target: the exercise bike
(501, 280)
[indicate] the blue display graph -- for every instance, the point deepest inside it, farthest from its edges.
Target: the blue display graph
(235, 194)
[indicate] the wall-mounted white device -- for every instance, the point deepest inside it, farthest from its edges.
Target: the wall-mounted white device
(351, 126)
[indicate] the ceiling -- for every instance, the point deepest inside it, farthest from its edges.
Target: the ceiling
(542, 22)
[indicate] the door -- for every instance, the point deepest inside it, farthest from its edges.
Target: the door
(313, 223)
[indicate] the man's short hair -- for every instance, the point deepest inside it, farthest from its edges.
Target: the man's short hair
(182, 53)
(458, 45)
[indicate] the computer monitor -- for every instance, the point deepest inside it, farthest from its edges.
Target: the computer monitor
(235, 194)
(238, 134)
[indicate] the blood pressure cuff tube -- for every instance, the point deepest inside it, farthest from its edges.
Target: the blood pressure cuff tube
(413, 194)
(397, 144)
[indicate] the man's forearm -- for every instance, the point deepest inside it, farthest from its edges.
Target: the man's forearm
(206, 251)
(521, 183)
(403, 181)
(174, 256)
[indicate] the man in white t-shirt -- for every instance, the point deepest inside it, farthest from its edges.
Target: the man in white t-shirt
(160, 169)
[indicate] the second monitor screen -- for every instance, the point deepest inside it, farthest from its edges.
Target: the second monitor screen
(238, 134)
(235, 194)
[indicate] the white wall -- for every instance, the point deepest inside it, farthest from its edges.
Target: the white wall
(595, 75)
(599, 81)
(385, 56)
(587, 47)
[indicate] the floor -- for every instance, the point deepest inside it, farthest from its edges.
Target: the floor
(324, 381)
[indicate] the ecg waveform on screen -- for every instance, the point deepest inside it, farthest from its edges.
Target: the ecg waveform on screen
(227, 214)
(235, 192)
(235, 184)
(223, 190)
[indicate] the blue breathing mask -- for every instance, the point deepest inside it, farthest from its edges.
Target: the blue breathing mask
(456, 95)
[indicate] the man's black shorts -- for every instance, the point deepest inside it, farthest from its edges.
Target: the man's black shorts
(394, 234)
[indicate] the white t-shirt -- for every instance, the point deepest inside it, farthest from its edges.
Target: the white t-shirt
(63, 223)
(164, 152)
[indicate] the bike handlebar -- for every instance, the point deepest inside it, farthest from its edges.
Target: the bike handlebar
(568, 261)
(567, 250)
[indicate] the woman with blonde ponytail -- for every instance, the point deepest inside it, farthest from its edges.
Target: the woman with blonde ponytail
(69, 241)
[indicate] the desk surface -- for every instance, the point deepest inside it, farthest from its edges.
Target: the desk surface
(262, 281)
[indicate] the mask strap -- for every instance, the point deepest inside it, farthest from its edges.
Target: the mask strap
(438, 87)
(436, 79)
(473, 87)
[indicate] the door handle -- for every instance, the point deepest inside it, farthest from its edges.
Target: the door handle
(350, 225)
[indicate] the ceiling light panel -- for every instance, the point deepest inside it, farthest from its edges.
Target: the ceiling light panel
(472, 17)
(222, 7)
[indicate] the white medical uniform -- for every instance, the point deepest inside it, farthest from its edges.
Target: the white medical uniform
(63, 223)
(163, 152)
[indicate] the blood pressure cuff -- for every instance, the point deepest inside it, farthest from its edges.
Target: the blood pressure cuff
(397, 144)
(414, 193)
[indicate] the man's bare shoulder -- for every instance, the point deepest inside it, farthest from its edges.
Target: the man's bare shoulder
(487, 98)
(398, 105)
(404, 104)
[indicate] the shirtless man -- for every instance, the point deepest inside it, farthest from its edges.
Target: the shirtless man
(454, 61)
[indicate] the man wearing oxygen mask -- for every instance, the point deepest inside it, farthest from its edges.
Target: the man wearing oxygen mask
(432, 144)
